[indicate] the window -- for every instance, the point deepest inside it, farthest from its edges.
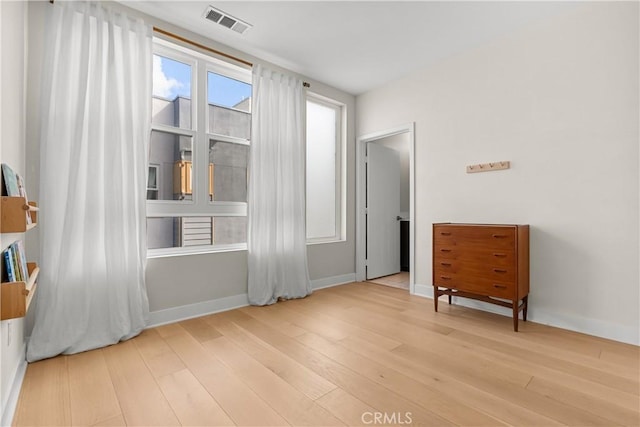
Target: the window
(325, 175)
(152, 182)
(198, 152)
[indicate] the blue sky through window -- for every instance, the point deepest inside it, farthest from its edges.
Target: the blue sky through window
(173, 78)
(227, 92)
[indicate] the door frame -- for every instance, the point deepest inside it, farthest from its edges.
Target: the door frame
(361, 181)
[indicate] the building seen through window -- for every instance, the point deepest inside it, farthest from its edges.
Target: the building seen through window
(173, 164)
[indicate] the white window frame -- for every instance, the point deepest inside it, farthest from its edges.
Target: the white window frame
(200, 205)
(340, 169)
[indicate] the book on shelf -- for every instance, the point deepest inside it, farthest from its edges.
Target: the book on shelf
(22, 257)
(23, 193)
(8, 262)
(15, 263)
(10, 182)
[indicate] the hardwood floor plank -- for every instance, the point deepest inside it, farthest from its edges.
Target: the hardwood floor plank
(93, 398)
(117, 421)
(159, 357)
(228, 390)
(362, 388)
(140, 398)
(165, 331)
(346, 407)
(456, 412)
(451, 388)
(301, 378)
(630, 359)
(450, 355)
(518, 395)
(294, 406)
(199, 329)
(282, 325)
(595, 375)
(314, 321)
(575, 398)
(552, 374)
(192, 404)
(529, 341)
(44, 398)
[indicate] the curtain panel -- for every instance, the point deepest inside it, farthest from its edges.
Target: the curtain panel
(276, 239)
(95, 109)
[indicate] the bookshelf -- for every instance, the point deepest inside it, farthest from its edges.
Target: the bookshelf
(14, 212)
(15, 297)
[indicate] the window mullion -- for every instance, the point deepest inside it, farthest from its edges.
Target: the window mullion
(201, 183)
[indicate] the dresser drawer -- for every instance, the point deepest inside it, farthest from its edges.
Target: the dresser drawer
(477, 285)
(484, 237)
(475, 270)
(497, 256)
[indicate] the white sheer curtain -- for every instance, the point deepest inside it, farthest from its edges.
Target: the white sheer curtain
(94, 137)
(276, 240)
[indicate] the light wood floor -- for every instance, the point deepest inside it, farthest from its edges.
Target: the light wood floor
(398, 280)
(339, 357)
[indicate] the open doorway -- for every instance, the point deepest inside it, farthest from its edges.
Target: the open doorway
(384, 249)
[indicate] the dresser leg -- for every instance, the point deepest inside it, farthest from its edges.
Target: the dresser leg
(449, 297)
(435, 298)
(515, 315)
(525, 301)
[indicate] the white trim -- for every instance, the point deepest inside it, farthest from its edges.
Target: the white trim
(195, 250)
(184, 312)
(424, 291)
(11, 403)
(598, 328)
(189, 311)
(329, 282)
(360, 198)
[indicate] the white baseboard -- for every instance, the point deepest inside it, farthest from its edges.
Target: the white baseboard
(328, 282)
(184, 312)
(583, 325)
(9, 406)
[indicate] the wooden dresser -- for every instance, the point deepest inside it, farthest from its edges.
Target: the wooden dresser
(489, 263)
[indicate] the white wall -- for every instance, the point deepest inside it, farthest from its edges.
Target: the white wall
(12, 152)
(186, 280)
(559, 99)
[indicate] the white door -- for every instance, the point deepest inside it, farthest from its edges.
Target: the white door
(383, 209)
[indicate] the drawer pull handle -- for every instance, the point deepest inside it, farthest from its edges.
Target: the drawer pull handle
(499, 236)
(445, 250)
(445, 277)
(446, 264)
(499, 255)
(498, 270)
(499, 286)
(445, 233)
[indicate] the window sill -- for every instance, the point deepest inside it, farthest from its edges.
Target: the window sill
(324, 241)
(173, 252)
(198, 250)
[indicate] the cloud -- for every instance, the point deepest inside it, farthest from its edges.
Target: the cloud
(163, 86)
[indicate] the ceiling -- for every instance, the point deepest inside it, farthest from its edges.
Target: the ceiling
(355, 46)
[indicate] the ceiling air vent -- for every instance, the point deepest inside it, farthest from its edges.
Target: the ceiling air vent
(226, 20)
